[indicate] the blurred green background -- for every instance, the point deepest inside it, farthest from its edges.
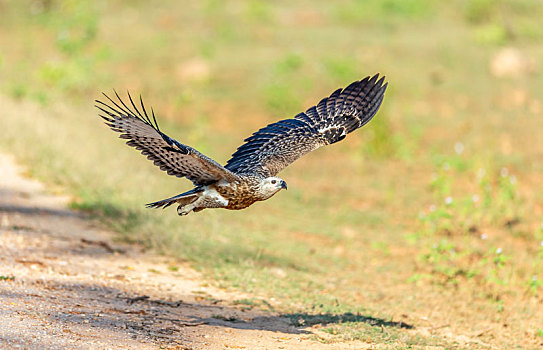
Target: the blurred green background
(434, 207)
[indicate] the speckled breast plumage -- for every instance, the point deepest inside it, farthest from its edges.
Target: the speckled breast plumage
(240, 194)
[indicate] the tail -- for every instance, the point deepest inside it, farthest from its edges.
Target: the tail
(182, 199)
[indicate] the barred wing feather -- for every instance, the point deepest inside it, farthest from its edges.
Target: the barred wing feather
(168, 154)
(274, 147)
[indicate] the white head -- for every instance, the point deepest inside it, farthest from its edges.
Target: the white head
(271, 185)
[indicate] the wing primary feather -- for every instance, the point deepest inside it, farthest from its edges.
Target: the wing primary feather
(124, 109)
(374, 93)
(105, 111)
(376, 104)
(379, 102)
(144, 111)
(114, 103)
(108, 121)
(154, 119)
(347, 92)
(128, 110)
(134, 105)
(374, 78)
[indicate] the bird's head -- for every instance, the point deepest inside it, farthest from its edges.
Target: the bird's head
(271, 185)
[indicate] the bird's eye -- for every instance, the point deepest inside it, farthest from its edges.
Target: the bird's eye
(273, 182)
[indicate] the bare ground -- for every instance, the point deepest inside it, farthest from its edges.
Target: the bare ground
(65, 283)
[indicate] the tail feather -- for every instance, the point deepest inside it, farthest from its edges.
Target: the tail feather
(181, 199)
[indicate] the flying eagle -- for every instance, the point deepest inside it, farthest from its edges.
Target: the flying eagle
(249, 176)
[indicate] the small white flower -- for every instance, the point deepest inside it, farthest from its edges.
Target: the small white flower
(475, 198)
(484, 236)
(499, 251)
(513, 179)
(433, 207)
(541, 244)
(534, 278)
(448, 200)
(459, 147)
(504, 172)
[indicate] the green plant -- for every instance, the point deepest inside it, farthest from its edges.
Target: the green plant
(448, 263)
(495, 262)
(534, 285)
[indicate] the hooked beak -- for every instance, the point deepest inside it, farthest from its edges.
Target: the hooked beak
(284, 185)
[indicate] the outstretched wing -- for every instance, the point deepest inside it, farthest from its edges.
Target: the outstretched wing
(272, 148)
(166, 153)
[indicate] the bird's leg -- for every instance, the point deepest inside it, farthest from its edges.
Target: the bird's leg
(183, 210)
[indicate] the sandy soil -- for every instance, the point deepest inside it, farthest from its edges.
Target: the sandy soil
(65, 283)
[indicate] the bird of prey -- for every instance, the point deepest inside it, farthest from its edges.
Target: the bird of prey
(250, 175)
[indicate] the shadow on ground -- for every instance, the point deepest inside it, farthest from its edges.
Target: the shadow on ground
(23, 210)
(96, 306)
(70, 280)
(304, 319)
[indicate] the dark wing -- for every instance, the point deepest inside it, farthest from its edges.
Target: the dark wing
(166, 153)
(271, 149)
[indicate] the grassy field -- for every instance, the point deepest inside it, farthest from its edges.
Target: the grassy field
(423, 228)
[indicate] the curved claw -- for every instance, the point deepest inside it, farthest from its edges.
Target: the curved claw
(180, 211)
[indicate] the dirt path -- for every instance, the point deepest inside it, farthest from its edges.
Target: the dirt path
(64, 283)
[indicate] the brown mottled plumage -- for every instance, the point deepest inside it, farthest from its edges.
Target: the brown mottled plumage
(249, 176)
(241, 194)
